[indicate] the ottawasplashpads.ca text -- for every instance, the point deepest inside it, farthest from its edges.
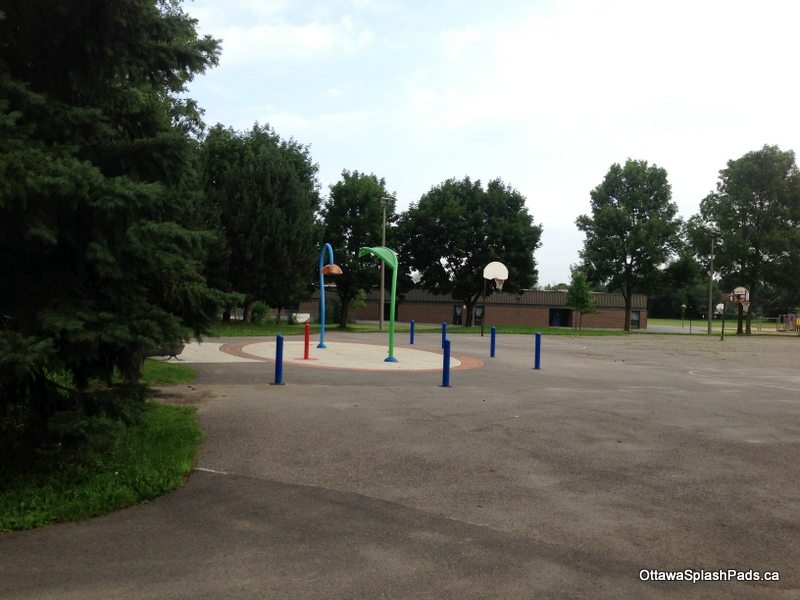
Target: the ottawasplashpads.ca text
(697, 576)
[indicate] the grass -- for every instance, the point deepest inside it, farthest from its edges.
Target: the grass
(157, 372)
(127, 466)
(757, 325)
(240, 329)
(528, 330)
(146, 460)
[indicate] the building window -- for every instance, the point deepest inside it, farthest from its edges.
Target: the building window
(636, 318)
(458, 314)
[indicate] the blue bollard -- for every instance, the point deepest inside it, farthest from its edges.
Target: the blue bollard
(412, 333)
(444, 332)
(446, 365)
(279, 361)
(492, 343)
(538, 360)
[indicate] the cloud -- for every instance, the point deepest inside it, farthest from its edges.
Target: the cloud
(283, 42)
(546, 95)
(599, 82)
(455, 43)
(338, 124)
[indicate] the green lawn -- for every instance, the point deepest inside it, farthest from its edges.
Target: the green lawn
(143, 461)
(757, 325)
(528, 330)
(157, 372)
(239, 329)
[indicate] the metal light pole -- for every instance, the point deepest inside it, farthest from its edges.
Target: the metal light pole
(384, 202)
(711, 285)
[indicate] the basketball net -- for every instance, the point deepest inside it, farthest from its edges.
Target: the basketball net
(498, 284)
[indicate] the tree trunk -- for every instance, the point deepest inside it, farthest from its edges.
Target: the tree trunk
(226, 315)
(580, 319)
(470, 310)
(749, 318)
(628, 303)
(247, 310)
(739, 319)
(278, 319)
(344, 308)
(132, 371)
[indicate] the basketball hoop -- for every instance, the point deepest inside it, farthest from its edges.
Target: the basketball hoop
(497, 272)
(740, 295)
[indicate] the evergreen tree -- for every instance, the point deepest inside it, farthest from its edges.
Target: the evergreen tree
(98, 260)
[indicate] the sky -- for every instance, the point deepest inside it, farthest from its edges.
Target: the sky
(545, 95)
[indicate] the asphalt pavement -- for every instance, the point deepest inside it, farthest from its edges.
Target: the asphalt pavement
(622, 460)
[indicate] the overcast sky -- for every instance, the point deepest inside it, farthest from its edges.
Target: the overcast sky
(545, 95)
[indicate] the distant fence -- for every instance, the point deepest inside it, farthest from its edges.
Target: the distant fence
(788, 322)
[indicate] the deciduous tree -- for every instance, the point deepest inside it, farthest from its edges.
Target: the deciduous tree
(632, 230)
(458, 227)
(579, 295)
(263, 193)
(756, 214)
(353, 218)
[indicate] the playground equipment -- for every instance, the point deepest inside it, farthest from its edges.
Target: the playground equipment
(329, 269)
(389, 258)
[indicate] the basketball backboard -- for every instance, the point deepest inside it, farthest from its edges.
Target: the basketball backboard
(740, 294)
(496, 271)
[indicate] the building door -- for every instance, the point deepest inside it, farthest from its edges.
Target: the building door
(560, 317)
(636, 319)
(458, 313)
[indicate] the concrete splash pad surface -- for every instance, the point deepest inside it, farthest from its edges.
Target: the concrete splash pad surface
(336, 355)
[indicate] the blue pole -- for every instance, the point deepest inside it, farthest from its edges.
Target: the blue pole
(446, 365)
(538, 361)
(492, 344)
(279, 361)
(412, 332)
(322, 293)
(444, 332)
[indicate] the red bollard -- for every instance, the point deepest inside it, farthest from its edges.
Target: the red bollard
(308, 339)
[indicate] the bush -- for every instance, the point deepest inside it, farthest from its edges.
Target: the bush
(259, 311)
